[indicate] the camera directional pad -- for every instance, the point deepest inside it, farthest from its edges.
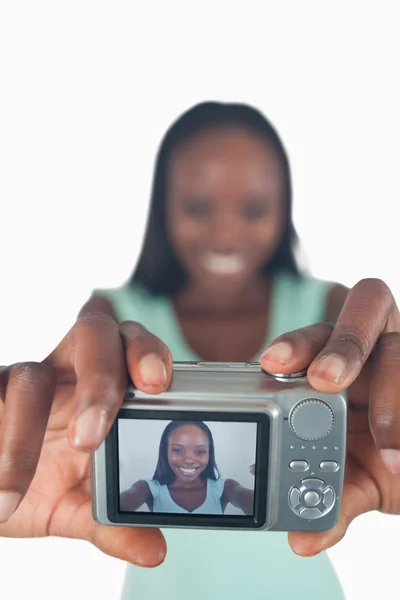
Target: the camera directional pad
(312, 499)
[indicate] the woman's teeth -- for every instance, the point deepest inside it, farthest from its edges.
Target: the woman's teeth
(224, 264)
(187, 471)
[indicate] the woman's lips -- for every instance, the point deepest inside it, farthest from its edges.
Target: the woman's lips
(223, 264)
(188, 471)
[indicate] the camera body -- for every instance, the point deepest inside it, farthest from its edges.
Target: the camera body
(296, 435)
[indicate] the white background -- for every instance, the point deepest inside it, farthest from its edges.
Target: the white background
(139, 441)
(86, 92)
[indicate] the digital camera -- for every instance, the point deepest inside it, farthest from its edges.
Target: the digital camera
(227, 446)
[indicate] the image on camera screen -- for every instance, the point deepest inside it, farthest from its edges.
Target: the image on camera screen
(187, 467)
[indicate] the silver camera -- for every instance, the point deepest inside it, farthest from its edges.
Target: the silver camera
(227, 446)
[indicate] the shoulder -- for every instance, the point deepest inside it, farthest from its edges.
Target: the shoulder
(229, 484)
(329, 295)
(216, 486)
(333, 296)
(153, 485)
(140, 486)
(304, 282)
(335, 300)
(230, 488)
(131, 301)
(128, 290)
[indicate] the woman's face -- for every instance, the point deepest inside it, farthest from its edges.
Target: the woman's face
(188, 452)
(225, 208)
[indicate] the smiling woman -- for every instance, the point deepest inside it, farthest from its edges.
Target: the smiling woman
(74, 395)
(217, 280)
(187, 478)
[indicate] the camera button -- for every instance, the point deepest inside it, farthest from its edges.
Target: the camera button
(310, 513)
(313, 484)
(294, 497)
(329, 466)
(311, 419)
(299, 466)
(311, 498)
(214, 365)
(329, 497)
(288, 377)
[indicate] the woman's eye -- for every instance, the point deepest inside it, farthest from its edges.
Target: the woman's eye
(200, 452)
(254, 211)
(177, 450)
(197, 208)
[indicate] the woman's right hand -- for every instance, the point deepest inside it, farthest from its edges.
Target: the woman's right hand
(54, 413)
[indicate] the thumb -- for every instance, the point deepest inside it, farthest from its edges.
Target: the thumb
(359, 497)
(311, 544)
(144, 547)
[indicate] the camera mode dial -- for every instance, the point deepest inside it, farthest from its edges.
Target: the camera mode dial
(311, 419)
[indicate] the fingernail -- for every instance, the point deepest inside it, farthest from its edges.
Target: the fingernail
(330, 367)
(8, 504)
(304, 553)
(91, 427)
(152, 370)
(280, 352)
(391, 458)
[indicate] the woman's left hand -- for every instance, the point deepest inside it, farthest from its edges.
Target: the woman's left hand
(361, 353)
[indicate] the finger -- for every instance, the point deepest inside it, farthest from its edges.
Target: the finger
(295, 350)
(93, 353)
(3, 384)
(368, 312)
(360, 495)
(384, 406)
(137, 545)
(149, 360)
(28, 400)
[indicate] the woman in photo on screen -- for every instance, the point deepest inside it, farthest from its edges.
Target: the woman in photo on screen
(217, 280)
(187, 479)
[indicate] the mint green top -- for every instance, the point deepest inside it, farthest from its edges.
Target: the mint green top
(231, 565)
(163, 502)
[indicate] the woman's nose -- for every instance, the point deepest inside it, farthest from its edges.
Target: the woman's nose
(189, 460)
(226, 233)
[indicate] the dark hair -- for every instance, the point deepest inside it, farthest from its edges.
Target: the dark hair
(158, 268)
(164, 474)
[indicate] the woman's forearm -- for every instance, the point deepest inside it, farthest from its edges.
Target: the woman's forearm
(246, 501)
(134, 497)
(239, 496)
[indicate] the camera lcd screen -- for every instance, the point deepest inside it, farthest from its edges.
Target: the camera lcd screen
(178, 467)
(185, 467)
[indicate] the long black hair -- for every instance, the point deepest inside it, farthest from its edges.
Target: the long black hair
(158, 268)
(164, 474)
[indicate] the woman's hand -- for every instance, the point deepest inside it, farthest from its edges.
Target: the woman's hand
(53, 414)
(252, 469)
(362, 353)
